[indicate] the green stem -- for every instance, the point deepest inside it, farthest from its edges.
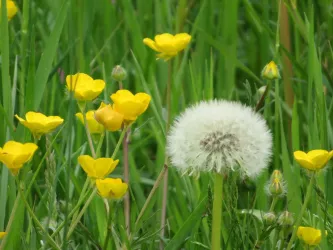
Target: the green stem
(300, 216)
(99, 146)
(217, 212)
(34, 218)
(274, 201)
(263, 97)
(77, 219)
(122, 135)
(108, 229)
(151, 194)
(91, 145)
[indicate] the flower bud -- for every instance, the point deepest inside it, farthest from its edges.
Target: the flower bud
(277, 174)
(269, 218)
(276, 187)
(271, 71)
(119, 73)
(262, 90)
(286, 219)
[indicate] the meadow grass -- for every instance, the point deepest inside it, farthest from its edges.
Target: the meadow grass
(231, 43)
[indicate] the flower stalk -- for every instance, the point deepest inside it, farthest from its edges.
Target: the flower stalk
(217, 212)
(300, 216)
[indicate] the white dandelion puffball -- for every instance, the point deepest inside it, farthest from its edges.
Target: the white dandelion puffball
(219, 136)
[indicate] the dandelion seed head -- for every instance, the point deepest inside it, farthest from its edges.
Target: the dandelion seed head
(219, 136)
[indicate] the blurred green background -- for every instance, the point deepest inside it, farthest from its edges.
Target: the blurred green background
(231, 42)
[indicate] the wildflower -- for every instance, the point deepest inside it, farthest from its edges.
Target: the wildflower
(218, 136)
(93, 126)
(97, 168)
(309, 235)
(2, 234)
(39, 123)
(314, 160)
(109, 118)
(276, 185)
(85, 88)
(269, 218)
(15, 154)
(119, 73)
(168, 45)
(111, 188)
(131, 106)
(286, 219)
(11, 9)
(271, 71)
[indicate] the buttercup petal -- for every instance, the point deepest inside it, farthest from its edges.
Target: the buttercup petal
(303, 159)
(150, 43)
(87, 164)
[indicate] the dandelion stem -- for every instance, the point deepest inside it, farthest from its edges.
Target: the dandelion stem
(152, 192)
(165, 182)
(217, 212)
(34, 218)
(300, 216)
(77, 219)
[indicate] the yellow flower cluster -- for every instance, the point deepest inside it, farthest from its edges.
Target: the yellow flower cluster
(98, 170)
(125, 109)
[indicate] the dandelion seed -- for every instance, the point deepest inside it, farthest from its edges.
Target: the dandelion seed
(219, 136)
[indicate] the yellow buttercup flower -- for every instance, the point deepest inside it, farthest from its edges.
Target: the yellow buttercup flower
(309, 235)
(85, 88)
(15, 154)
(168, 45)
(271, 71)
(2, 234)
(131, 106)
(11, 9)
(93, 126)
(97, 168)
(109, 118)
(313, 160)
(111, 188)
(39, 123)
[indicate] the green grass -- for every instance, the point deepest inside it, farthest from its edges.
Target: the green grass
(231, 42)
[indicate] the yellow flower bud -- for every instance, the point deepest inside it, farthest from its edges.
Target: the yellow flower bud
(97, 168)
(39, 123)
(314, 160)
(111, 188)
(309, 235)
(15, 154)
(93, 126)
(84, 87)
(168, 45)
(271, 71)
(131, 106)
(276, 187)
(109, 118)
